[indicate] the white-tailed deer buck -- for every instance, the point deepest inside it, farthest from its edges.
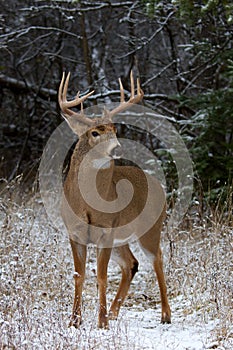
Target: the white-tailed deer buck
(81, 219)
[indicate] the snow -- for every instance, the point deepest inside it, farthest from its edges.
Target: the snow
(36, 292)
(141, 330)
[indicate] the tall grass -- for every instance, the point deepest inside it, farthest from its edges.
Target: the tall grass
(36, 287)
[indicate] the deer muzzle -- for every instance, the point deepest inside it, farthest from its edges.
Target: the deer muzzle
(116, 150)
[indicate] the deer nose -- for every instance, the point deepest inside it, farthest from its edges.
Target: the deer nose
(116, 151)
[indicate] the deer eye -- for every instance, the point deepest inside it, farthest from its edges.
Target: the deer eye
(95, 133)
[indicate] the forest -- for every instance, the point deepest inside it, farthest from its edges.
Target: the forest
(182, 52)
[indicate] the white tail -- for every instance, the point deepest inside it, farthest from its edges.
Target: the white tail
(77, 214)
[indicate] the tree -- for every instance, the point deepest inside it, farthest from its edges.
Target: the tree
(181, 50)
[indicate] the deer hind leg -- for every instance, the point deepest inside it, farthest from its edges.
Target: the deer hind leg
(158, 267)
(103, 256)
(79, 255)
(153, 251)
(129, 266)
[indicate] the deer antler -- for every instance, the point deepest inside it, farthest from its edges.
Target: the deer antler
(66, 105)
(134, 99)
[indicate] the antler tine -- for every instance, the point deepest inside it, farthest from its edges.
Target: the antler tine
(65, 88)
(60, 91)
(66, 105)
(132, 85)
(122, 91)
(133, 98)
(139, 90)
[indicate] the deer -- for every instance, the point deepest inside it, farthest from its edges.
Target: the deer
(81, 219)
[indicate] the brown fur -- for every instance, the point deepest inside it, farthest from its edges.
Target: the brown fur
(75, 208)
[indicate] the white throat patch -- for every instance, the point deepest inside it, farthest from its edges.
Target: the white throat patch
(101, 163)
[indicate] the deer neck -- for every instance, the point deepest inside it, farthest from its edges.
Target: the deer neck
(103, 167)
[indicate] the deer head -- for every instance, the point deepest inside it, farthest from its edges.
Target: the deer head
(96, 130)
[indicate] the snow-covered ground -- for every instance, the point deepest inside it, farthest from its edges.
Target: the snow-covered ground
(141, 330)
(36, 290)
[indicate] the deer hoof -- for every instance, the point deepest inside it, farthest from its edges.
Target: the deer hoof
(166, 318)
(112, 316)
(75, 322)
(103, 323)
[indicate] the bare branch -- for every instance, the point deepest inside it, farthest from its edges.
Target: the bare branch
(22, 87)
(150, 38)
(86, 7)
(21, 32)
(158, 74)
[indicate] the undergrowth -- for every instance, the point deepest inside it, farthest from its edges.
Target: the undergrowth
(37, 280)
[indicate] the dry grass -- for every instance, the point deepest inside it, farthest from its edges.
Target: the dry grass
(37, 285)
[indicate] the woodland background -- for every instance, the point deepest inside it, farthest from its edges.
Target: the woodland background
(182, 50)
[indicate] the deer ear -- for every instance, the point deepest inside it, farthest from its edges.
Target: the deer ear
(79, 127)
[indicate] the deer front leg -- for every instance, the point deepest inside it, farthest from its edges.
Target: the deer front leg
(103, 256)
(79, 255)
